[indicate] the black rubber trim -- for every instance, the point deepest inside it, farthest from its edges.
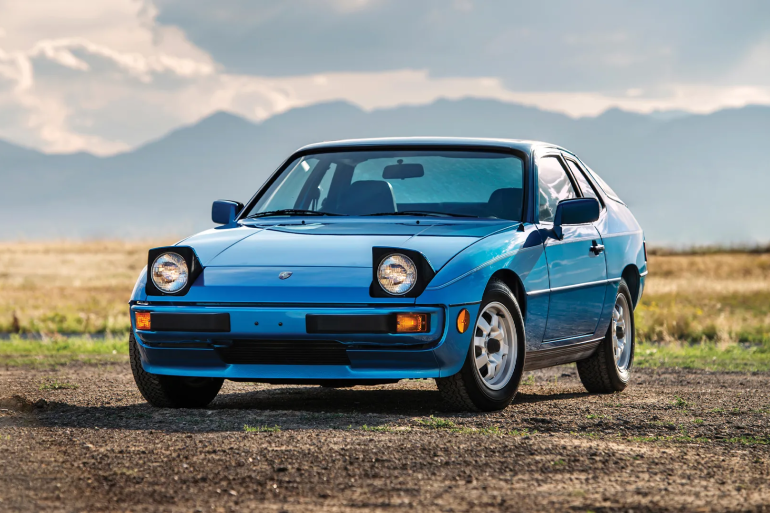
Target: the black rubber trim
(384, 323)
(552, 356)
(425, 271)
(194, 269)
(284, 352)
(204, 322)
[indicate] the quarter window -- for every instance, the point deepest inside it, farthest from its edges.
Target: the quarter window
(585, 186)
(554, 185)
(606, 188)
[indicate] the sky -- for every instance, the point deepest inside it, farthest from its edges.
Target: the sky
(106, 76)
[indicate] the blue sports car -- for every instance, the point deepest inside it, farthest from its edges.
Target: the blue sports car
(361, 262)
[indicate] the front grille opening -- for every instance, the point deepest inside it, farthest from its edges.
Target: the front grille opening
(285, 352)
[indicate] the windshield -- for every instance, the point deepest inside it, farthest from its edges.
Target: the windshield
(392, 182)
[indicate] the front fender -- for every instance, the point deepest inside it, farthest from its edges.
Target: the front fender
(139, 294)
(463, 280)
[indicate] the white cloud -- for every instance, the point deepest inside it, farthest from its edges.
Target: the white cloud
(104, 76)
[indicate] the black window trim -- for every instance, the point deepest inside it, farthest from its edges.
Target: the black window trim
(557, 154)
(598, 186)
(569, 158)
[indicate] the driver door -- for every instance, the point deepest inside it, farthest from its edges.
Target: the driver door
(577, 269)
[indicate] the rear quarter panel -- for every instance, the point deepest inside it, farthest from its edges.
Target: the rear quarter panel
(624, 246)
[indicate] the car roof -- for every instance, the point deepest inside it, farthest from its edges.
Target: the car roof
(516, 144)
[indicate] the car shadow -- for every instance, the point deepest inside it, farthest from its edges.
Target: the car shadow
(284, 408)
(536, 398)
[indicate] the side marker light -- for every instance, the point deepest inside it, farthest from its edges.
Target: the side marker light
(463, 320)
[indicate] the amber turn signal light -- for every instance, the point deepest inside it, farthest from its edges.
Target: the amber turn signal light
(143, 321)
(463, 320)
(411, 323)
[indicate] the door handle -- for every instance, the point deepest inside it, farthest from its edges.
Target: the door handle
(596, 249)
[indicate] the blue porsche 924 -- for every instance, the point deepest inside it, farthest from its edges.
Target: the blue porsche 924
(361, 262)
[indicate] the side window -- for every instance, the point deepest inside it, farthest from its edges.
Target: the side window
(323, 189)
(606, 188)
(585, 186)
(554, 185)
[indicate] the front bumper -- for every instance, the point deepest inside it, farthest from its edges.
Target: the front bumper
(280, 331)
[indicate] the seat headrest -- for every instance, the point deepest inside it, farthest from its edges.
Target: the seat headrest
(367, 197)
(507, 203)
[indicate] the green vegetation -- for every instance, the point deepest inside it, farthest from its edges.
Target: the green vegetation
(436, 423)
(447, 425)
(261, 429)
(18, 346)
(376, 429)
(59, 350)
(678, 402)
(749, 440)
(57, 385)
(703, 355)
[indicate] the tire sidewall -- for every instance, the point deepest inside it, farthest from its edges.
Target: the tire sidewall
(484, 397)
(618, 377)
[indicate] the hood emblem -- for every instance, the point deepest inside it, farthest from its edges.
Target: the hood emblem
(285, 274)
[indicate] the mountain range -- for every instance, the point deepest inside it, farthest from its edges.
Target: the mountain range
(689, 179)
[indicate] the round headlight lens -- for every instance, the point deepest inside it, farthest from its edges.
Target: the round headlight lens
(169, 272)
(397, 274)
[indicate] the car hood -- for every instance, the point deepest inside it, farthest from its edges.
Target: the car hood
(334, 243)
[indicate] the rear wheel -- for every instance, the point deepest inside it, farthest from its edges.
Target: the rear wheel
(608, 369)
(492, 370)
(171, 391)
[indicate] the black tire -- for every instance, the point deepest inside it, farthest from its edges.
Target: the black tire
(467, 390)
(599, 373)
(171, 391)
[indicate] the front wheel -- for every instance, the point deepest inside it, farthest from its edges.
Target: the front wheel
(490, 376)
(608, 369)
(171, 391)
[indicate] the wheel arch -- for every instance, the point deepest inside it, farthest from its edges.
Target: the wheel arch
(512, 280)
(632, 278)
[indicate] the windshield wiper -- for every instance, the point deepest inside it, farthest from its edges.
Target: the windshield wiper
(291, 212)
(423, 213)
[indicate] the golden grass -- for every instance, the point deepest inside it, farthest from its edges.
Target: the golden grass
(69, 287)
(83, 287)
(718, 297)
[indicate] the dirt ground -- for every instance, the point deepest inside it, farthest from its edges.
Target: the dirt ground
(675, 440)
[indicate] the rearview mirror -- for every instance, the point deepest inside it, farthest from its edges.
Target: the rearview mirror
(401, 171)
(224, 211)
(575, 211)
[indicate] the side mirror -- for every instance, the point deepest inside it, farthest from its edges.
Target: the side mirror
(575, 211)
(224, 212)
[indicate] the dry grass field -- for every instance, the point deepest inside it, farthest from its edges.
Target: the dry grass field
(69, 287)
(696, 306)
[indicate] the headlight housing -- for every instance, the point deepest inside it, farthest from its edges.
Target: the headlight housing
(169, 272)
(397, 274)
